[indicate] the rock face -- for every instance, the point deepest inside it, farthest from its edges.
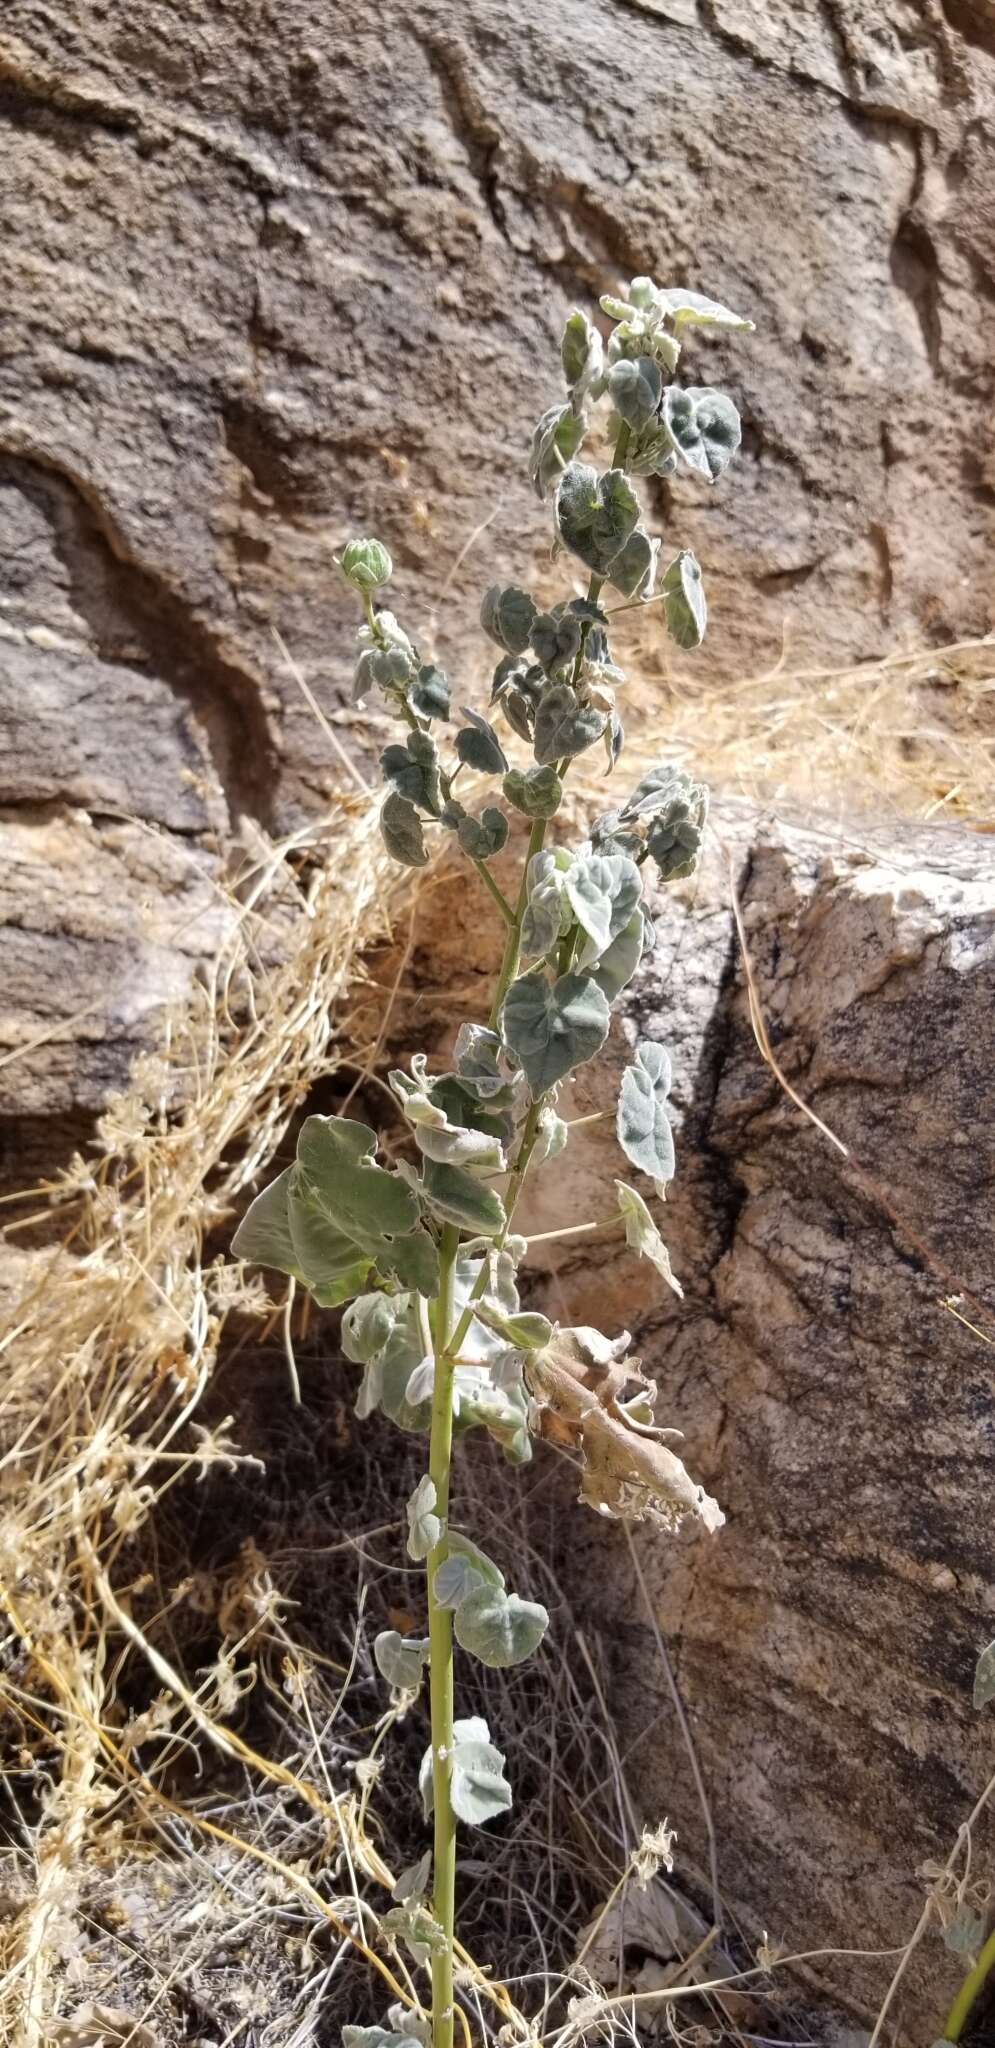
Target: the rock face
(825, 1640)
(276, 278)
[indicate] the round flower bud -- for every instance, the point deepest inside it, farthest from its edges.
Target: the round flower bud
(366, 564)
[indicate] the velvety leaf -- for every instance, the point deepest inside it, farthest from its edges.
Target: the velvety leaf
(413, 1261)
(556, 638)
(684, 602)
(478, 1790)
(367, 1324)
(358, 1197)
(402, 1353)
(642, 1234)
(634, 569)
(413, 1882)
(984, 1677)
(636, 387)
(615, 967)
(506, 616)
(477, 1057)
(563, 725)
(400, 1659)
(457, 1197)
(536, 792)
(412, 769)
(704, 427)
(690, 309)
(416, 1926)
(478, 746)
(332, 1264)
(379, 2037)
(603, 890)
(553, 1028)
(430, 694)
(453, 1581)
(671, 811)
(424, 1525)
(401, 829)
(555, 443)
(581, 353)
(484, 1566)
(499, 1628)
(263, 1236)
(642, 1122)
(595, 514)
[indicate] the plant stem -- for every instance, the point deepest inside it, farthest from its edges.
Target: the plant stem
(498, 894)
(440, 1629)
(974, 1982)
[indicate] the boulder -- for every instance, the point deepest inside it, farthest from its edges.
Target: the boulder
(832, 1365)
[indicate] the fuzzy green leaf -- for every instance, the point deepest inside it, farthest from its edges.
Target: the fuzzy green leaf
(556, 638)
(453, 1582)
(595, 514)
(615, 967)
(356, 1196)
(506, 616)
(412, 769)
(690, 309)
(413, 1261)
(413, 1882)
(456, 1197)
(402, 833)
(400, 1659)
(984, 1677)
(478, 1789)
(642, 1234)
(430, 693)
(367, 1324)
(564, 726)
(684, 601)
(642, 1122)
(263, 1236)
(552, 1028)
(704, 427)
(499, 1628)
(636, 387)
(633, 571)
(478, 746)
(424, 1525)
(603, 890)
(484, 1566)
(554, 444)
(581, 353)
(536, 792)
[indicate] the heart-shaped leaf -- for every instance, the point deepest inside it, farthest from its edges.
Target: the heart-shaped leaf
(690, 309)
(263, 1236)
(412, 769)
(642, 1234)
(499, 1628)
(478, 1789)
(367, 1324)
(430, 693)
(506, 616)
(413, 1261)
(614, 969)
(401, 830)
(356, 1196)
(554, 1027)
(636, 387)
(554, 443)
(642, 1122)
(704, 427)
(564, 726)
(424, 1525)
(581, 353)
(595, 514)
(401, 1659)
(453, 1581)
(633, 571)
(536, 792)
(478, 746)
(456, 1197)
(684, 602)
(603, 891)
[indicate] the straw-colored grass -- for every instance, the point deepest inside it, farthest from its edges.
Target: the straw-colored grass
(125, 1769)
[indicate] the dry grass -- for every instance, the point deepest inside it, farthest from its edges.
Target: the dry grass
(200, 1784)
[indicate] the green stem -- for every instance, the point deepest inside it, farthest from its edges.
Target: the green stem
(498, 894)
(974, 1982)
(440, 1629)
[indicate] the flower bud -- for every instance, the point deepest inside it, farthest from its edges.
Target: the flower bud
(366, 564)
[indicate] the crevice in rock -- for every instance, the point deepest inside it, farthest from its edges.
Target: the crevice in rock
(225, 695)
(476, 130)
